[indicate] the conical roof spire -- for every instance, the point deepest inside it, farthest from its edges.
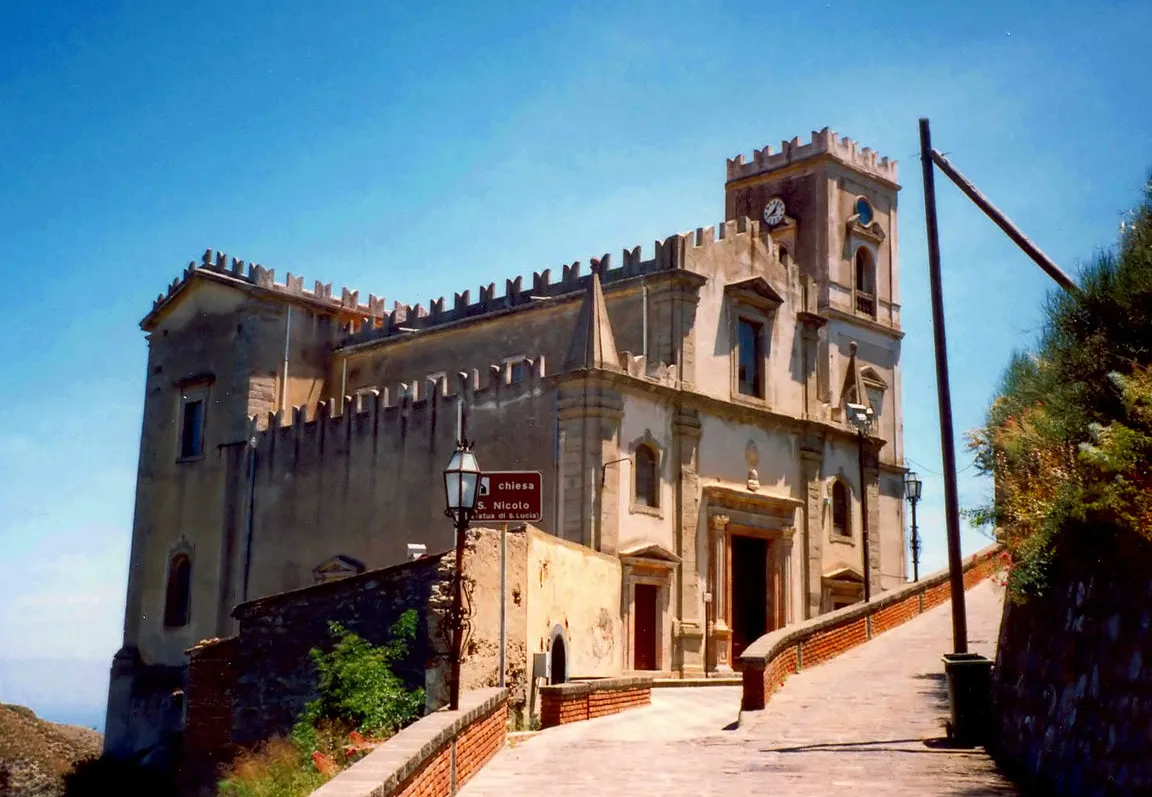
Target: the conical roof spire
(593, 344)
(853, 392)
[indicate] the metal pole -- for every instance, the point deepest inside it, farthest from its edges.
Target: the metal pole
(287, 341)
(458, 614)
(947, 442)
(503, 600)
(915, 545)
(1003, 222)
(864, 522)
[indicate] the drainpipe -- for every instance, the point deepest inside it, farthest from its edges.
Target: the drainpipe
(251, 515)
(343, 381)
(287, 340)
(644, 321)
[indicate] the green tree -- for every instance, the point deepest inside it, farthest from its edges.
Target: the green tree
(358, 688)
(1068, 438)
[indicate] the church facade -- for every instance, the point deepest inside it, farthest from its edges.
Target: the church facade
(688, 408)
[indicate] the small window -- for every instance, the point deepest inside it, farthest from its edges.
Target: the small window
(865, 282)
(864, 211)
(840, 509)
(647, 483)
(750, 363)
(785, 257)
(178, 599)
(192, 428)
(516, 372)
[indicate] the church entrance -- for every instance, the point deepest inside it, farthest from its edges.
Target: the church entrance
(644, 633)
(749, 592)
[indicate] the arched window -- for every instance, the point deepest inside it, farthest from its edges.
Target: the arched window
(865, 282)
(179, 596)
(840, 509)
(647, 483)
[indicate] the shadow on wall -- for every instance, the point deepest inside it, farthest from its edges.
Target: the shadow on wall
(125, 778)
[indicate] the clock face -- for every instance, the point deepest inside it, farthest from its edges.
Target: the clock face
(774, 211)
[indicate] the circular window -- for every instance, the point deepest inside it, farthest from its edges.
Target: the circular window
(864, 211)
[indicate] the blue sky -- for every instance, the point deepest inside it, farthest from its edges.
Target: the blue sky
(412, 150)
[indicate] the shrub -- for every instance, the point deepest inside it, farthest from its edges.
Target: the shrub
(1068, 438)
(277, 769)
(358, 689)
(359, 696)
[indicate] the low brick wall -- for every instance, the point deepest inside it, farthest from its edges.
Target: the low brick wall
(585, 700)
(433, 757)
(772, 657)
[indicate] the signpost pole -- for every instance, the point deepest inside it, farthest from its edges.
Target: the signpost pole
(503, 599)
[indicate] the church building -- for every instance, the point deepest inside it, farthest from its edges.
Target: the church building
(721, 413)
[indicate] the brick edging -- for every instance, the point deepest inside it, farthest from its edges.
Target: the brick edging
(434, 756)
(774, 656)
(575, 701)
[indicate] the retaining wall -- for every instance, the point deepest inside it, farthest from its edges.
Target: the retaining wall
(433, 757)
(585, 700)
(772, 657)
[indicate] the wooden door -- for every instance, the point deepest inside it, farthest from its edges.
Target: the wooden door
(644, 628)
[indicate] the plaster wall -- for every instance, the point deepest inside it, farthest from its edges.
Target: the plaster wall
(645, 420)
(367, 482)
(578, 590)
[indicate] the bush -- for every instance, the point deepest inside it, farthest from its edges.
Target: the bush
(277, 769)
(358, 688)
(359, 696)
(1068, 438)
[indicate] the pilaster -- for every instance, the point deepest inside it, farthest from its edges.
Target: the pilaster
(589, 412)
(812, 540)
(688, 654)
(671, 327)
(872, 493)
(719, 634)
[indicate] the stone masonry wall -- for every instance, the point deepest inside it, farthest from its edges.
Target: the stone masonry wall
(1073, 677)
(274, 673)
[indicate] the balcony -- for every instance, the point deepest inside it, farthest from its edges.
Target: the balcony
(866, 304)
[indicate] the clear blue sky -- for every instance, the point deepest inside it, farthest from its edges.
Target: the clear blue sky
(416, 149)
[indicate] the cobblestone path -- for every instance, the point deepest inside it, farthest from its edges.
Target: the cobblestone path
(866, 723)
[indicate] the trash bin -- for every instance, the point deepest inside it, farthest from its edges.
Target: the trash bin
(969, 678)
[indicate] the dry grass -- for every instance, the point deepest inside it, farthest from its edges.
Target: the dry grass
(276, 769)
(35, 754)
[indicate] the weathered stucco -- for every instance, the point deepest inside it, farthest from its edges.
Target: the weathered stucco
(562, 373)
(575, 592)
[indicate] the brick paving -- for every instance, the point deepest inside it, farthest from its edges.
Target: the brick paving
(866, 723)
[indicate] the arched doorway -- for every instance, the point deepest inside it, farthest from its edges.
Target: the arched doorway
(559, 661)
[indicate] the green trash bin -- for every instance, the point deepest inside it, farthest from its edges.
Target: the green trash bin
(969, 678)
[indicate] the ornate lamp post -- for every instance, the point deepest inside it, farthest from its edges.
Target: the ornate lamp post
(860, 416)
(912, 486)
(461, 479)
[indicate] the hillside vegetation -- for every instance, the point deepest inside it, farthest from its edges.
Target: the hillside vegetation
(1068, 439)
(35, 755)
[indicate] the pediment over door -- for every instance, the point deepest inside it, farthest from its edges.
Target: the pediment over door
(337, 567)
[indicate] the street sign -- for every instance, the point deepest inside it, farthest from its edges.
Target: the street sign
(510, 495)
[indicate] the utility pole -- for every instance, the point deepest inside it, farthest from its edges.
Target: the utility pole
(944, 393)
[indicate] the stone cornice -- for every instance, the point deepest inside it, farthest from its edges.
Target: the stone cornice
(888, 331)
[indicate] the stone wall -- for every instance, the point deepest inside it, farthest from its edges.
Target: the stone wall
(275, 677)
(1073, 677)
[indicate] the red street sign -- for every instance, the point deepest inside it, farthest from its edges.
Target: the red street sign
(510, 495)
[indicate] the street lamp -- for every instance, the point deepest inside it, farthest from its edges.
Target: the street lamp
(912, 486)
(461, 479)
(860, 416)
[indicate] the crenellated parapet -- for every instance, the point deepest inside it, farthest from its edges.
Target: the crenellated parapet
(823, 142)
(219, 263)
(638, 366)
(676, 252)
(312, 431)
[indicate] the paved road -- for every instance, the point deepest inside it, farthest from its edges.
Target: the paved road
(862, 724)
